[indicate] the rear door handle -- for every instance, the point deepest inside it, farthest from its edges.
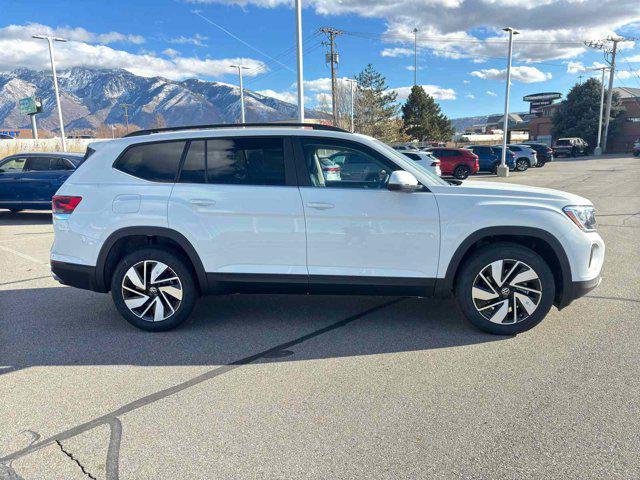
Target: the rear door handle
(198, 202)
(320, 205)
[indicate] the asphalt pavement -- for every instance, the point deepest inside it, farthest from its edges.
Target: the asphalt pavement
(278, 386)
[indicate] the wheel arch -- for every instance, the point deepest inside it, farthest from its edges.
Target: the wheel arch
(538, 240)
(114, 247)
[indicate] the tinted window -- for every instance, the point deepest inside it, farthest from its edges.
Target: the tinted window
(157, 162)
(15, 165)
(413, 156)
(38, 164)
(193, 169)
(245, 161)
(61, 164)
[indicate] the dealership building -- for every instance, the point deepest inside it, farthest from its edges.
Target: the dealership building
(543, 106)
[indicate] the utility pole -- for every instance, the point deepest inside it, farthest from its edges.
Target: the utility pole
(240, 68)
(352, 83)
(50, 41)
(331, 34)
(34, 126)
(300, 71)
(126, 107)
(598, 149)
(415, 56)
(503, 170)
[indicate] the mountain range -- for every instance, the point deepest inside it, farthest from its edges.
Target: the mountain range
(92, 97)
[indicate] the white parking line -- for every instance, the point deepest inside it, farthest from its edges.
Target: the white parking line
(23, 255)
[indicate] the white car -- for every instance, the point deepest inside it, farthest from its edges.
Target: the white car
(160, 217)
(525, 156)
(425, 160)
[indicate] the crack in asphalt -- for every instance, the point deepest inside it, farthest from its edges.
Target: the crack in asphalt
(70, 455)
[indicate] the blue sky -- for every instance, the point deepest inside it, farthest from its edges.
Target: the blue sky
(460, 60)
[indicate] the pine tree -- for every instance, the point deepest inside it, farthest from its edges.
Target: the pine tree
(578, 114)
(375, 106)
(423, 119)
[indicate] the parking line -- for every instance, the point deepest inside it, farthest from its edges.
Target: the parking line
(25, 280)
(23, 255)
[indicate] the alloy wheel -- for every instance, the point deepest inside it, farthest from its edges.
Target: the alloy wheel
(152, 291)
(506, 291)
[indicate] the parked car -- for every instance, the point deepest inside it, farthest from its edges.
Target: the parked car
(525, 156)
(29, 180)
(570, 147)
(5, 136)
(490, 157)
(544, 153)
(636, 148)
(425, 160)
(184, 212)
(458, 162)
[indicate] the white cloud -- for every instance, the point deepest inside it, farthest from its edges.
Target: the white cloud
(197, 40)
(522, 74)
(323, 84)
(466, 82)
(435, 91)
(285, 96)
(396, 52)
(171, 52)
(470, 96)
(633, 58)
(492, 94)
(575, 67)
(18, 32)
(20, 50)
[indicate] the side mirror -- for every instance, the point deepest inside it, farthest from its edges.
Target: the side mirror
(401, 181)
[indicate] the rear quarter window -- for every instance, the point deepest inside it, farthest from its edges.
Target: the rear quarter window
(156, 162)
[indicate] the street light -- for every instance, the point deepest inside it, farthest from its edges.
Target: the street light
(352, 83)
(300, 73)
(503, 170)
(50, 41)
(240, 68)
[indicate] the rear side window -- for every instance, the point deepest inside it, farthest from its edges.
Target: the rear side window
(413, 156)
(61, 164)
(157, 162)
(38, 164)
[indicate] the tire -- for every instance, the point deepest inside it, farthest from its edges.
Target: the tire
(461, 172)
(574, 153)
(522, 164)
(526, 264)
(540, 163)
(494, 169)
(180, 296)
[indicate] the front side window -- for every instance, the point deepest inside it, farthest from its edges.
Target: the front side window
(338, 164)
(156, 162)
(15, 165)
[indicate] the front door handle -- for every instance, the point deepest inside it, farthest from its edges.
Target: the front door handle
(320, 205)
(198, 202)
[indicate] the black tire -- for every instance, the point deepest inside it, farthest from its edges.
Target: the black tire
(540, 163)
(494, 169)
(574, 152)
(478, 261)
(522, 164)
(461, 172)
(186, 279)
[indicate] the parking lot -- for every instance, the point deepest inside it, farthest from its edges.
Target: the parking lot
(324, 387)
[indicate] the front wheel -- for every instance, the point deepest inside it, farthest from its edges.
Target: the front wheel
(522, 164)
(461, 172)
(154, 289)
(505, 289)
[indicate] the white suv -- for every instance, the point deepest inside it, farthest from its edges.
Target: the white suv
(160, 218)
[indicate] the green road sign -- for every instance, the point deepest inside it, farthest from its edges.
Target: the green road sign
(29, 105)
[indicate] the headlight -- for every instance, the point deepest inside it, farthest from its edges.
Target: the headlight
(584, 216)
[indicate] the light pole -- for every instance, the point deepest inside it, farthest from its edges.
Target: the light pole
(300, 73)
(415, 56)
(50, 41)
(240, 68)
(503, 170)
(598, 149)
(352, 83)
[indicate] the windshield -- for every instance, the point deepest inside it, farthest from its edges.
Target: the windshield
(395, 155)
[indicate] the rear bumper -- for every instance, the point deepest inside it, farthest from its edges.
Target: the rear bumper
(74, 275)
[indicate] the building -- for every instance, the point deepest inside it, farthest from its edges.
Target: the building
(540, 127)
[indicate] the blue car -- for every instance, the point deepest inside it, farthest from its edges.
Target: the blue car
(489, 157)
(29, 180)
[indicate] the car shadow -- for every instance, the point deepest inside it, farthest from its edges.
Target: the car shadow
(65, 326)
(25, 217)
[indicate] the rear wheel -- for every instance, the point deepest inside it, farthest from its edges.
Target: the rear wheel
(522, 164)
(461, 172)
(540, 163)
(153, 289)
(505, 289)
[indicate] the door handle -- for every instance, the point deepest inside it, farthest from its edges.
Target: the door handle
(198, 202)
(320, 205)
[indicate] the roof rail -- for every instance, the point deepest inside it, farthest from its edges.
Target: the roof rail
(313, 126)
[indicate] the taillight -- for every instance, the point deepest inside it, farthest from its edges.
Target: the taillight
(64, 204)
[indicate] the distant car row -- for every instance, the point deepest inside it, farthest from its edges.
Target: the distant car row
(462, 162)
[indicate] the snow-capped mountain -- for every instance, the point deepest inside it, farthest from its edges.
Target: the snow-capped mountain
(91, 97)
